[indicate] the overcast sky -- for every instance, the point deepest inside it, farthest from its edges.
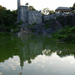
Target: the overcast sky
(38, 4)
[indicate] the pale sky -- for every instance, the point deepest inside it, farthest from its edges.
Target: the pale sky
(38, 4)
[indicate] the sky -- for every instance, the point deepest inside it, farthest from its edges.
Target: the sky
(38, 4)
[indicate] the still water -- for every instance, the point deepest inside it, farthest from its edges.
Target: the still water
(35, 55)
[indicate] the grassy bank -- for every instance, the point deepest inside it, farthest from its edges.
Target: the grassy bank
(66, 34)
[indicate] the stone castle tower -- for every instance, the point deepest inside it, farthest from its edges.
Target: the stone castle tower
(28, 16)
(18, 7)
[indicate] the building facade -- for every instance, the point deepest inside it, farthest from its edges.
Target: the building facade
(63, 9)
(28, 16)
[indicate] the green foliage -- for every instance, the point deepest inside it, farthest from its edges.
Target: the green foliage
(47, 25)
(33, 30)
(31, 8)
(70, 38)
(4, 33)
(71, 30)
(20, 22)
(48, 20)
(73, 7)
(46, 11)
(16, 30)
(66, 34)
(31, 25)
(57, 36)
(51, 12)
(7, 19)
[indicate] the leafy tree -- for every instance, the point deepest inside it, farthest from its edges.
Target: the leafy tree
(51, 12)
(73, 8)
(45, 11)
(31, 8)
(7, 18)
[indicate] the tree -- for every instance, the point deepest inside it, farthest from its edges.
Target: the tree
(45, 11)
(31, 8)
(7, 18)
(73, 8)
(51, 12)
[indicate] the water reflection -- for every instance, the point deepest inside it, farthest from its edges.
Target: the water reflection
(28, 47)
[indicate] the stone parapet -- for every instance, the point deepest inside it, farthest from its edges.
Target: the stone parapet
(34, 17)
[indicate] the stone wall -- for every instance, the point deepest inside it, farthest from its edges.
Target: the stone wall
(46, 17)
(52, 16)
(24, 13)
(34, 17)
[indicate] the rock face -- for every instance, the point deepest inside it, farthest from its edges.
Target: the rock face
(67, 20)
(46, 27)
(50, 26)
(24, 31)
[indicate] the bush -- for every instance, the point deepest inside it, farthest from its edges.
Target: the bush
(31, 25)
(20, 22)
(70, 38)
(33, 30)
(71, 30)
(16, 30)
(47, 25)
(67, 34)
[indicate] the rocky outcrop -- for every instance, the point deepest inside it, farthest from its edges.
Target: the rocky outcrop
(24, 31)
(67, 20)
(46, 27)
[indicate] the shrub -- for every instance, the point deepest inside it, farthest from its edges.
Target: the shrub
(20, 22)
(15, 30)
(67, 34)
(47, 25)
(70, 38)
(33, 30)
(31, 25)
(72, 30)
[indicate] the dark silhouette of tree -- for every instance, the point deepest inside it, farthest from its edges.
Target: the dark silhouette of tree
(31, 8)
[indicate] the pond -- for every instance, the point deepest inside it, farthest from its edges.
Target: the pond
(35, 55)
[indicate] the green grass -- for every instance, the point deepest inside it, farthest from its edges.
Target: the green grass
(32, 25)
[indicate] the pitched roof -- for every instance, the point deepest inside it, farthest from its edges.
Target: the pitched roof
(66, 8)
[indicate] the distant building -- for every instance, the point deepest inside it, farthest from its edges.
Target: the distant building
(28, 16)
(63, 9)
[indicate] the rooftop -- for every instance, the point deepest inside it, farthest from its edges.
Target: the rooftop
(66, 8)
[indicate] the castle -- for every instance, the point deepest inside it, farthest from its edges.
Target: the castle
(28, 16)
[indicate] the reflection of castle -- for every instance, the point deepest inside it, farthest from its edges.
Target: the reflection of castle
(28, 16)
(30, 47)
(29, 52)
(34, 45)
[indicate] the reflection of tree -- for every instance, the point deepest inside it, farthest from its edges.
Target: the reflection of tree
(8, 47)
(47, 52)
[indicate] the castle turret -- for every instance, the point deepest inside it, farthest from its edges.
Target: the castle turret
(18, 8)
(18, 2)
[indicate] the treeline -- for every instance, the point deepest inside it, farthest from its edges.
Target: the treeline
(7, 19)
